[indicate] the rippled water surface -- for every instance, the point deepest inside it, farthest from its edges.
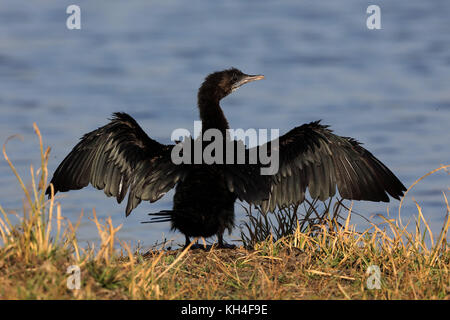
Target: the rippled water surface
(388, 88)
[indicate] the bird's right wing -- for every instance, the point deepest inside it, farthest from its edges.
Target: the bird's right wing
(116, 158)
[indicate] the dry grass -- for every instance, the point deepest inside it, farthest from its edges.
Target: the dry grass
(320, 257)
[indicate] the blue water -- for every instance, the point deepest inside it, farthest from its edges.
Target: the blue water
(388, 88)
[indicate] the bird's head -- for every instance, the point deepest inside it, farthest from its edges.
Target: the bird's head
(219, 84)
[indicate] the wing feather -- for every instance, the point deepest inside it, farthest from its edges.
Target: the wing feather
(313, 158)
(117, 158)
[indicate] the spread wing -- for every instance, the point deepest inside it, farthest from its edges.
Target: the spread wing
(311, 156)
(116, 158)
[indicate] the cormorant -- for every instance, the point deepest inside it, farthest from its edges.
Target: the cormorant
(119, 158)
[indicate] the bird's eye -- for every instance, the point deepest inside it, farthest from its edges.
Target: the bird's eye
(234, 77)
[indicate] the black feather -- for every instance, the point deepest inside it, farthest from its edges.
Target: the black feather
(120, 158)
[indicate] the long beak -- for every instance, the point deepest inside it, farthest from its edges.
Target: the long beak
(250, 78)
(246, 79)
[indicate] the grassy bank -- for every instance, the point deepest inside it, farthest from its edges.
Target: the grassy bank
(325, 259)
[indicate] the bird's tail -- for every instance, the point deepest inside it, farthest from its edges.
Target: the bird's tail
(162, 216)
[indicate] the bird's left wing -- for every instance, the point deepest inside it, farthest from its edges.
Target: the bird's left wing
(312, 157)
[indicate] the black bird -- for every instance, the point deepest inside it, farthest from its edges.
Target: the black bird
(119, 158)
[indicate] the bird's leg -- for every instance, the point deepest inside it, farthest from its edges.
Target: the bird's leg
(194, 246)
(187, 243)
(223, 245)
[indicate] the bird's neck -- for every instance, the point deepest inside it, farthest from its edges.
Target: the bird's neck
(211, 113)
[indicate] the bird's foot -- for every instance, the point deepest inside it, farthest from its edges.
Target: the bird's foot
(195, 245)
(210, 247)
(225, 246)
(198, 246)
(221, 244)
